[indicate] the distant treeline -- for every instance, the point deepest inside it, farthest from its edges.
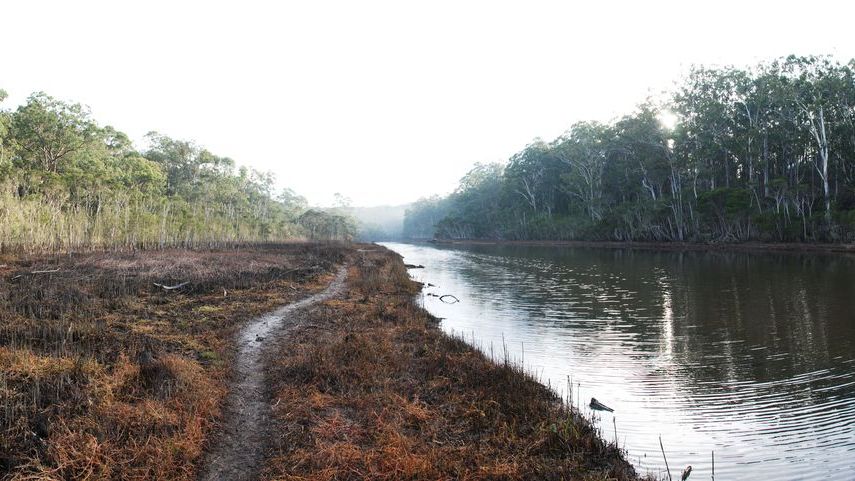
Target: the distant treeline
(68, 183)
(766, 153)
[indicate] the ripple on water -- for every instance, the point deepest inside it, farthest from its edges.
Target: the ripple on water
(748, 355)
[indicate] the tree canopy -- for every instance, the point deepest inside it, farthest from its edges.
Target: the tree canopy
(67, 182)
(765, 153)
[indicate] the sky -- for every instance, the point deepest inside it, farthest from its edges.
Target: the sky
(384, 102)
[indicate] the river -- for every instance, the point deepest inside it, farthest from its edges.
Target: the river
(747, 355)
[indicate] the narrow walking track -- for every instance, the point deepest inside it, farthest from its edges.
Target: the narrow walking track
(239, 452)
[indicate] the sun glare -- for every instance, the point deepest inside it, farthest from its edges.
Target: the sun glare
(668, 119)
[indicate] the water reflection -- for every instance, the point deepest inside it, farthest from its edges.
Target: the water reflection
(750, 355)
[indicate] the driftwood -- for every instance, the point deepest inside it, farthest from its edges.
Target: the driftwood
(171, 288)
(49, 271)
(414, 266)
(453, 300)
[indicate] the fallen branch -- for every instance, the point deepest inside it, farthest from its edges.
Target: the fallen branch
(171, 288)
(49, 271)
(414, 266)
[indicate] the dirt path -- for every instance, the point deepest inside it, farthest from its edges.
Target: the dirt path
(239, 452)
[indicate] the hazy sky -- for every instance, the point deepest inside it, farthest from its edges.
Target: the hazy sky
(384, 102)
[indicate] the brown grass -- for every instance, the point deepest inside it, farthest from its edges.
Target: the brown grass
(103, 375)
(372, 389)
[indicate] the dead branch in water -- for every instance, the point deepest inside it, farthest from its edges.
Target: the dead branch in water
(414, 266)
(442, 298)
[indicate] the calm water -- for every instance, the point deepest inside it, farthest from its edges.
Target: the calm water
(748, 355)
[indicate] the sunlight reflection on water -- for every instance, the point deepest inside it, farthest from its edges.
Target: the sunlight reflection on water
(748, 355)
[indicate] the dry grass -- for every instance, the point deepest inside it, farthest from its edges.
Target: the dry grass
(372, 390)
(103, 375)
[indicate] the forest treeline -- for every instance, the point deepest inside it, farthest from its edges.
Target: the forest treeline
(68, 183)
(765, 153)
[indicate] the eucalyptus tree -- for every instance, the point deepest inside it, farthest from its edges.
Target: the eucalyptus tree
(49, 132)
(584, 149)
(815, 91)
(422, 217)
(534, 174)
(5, 140)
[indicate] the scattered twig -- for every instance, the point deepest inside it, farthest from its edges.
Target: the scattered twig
(48, 271)
(171, 288)
(453, 301)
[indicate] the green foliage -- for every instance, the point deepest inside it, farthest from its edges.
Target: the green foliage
(422, 217)
(333, 225)
(756, 154)
(68, 183)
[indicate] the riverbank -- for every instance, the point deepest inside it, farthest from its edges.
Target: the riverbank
(686, 246)
(371, 388)
(117, 366)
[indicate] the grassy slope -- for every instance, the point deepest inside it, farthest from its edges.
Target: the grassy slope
(372, 389)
